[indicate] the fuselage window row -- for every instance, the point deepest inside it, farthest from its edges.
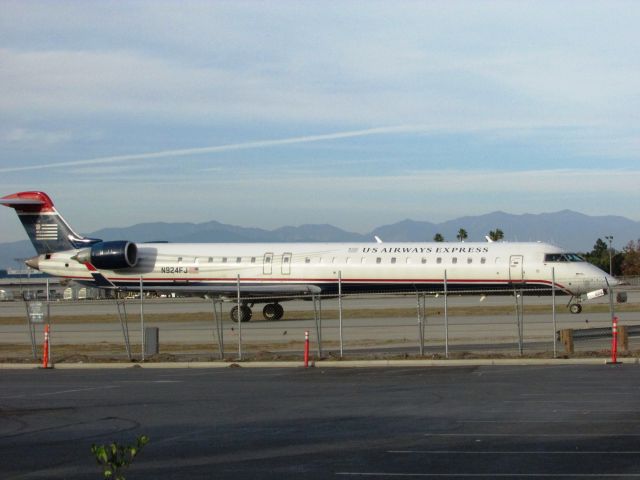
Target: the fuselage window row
(347, 260)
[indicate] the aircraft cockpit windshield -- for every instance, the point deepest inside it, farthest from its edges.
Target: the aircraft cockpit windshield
(563, 257)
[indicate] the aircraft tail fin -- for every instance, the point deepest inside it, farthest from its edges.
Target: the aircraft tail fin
(47, 230)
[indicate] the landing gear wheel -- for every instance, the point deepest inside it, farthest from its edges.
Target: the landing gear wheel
(575, 308)
(279, 311)
(269, 311)
(245, 314)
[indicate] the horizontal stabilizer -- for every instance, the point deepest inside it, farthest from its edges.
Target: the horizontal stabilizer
(101, 280)
(17, 202)
(28, 202)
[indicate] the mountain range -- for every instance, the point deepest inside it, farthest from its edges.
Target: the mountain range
(571, 230)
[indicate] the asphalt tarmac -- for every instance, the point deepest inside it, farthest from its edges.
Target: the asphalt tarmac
(439, 422)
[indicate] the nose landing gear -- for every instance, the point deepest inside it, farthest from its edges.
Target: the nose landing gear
(575, 308)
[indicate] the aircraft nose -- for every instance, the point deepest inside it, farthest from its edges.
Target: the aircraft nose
(613, 281)
(33, 262)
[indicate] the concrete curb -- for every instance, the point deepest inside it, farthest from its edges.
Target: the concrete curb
(331, 364)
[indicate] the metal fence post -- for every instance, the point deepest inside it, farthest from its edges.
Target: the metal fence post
(517, 298)
(610, 290)
(142, 315)
(446, 318)
(219, 327)
(48, 314)
(553, 311)
(521, 322)
(318, 325)
(340, 311)
(239, 322)
(421, 315)
(32, 330)
(124, 323)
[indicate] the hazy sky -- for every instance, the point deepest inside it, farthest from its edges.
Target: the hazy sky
(350, 113)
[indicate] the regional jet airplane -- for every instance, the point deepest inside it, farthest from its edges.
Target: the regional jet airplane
(273, 272)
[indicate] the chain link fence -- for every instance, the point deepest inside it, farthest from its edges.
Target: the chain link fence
(410, 324)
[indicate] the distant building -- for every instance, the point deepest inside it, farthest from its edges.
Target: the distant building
(16, 284)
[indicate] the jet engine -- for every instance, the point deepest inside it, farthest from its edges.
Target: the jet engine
(110, 255)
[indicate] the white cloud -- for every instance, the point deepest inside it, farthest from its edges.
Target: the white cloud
(19, 135)
(260, 144)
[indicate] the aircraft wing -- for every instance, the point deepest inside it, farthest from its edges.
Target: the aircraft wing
(245, 290)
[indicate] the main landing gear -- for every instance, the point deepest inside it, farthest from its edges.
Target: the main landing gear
(245, 313)
(271, 311)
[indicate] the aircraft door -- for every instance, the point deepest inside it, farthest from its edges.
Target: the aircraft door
(516, 271)
(286, 263)
(267, 263)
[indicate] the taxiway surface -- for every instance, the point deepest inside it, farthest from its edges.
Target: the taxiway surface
(235, 423)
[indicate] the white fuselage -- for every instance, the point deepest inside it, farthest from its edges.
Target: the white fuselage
(356, 266)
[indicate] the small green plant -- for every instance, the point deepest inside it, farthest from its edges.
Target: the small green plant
(114, 458)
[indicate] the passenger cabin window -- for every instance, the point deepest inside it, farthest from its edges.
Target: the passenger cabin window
(483, 260)
(563, 257)
(439, 260)
(179, 259)
(469, 260)
(224, 259)
(424, 260)
(454, 260)
(378, 260)
(210, 259)
(393, 260)
(253, 259)
(307, 260)
(238, 259)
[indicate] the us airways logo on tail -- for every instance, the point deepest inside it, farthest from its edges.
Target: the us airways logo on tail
(46, 231)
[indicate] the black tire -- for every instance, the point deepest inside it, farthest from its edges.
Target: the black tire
(269, 311)
(245, 313)
(575, 308)
(279, 311)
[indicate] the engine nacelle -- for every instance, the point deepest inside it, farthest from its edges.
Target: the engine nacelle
(110, 255)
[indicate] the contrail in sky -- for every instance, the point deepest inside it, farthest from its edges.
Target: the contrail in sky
(223, 148)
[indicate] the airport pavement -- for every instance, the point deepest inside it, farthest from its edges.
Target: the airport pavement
(569, 421)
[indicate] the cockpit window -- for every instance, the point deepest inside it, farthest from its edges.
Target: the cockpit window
(563, 257)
